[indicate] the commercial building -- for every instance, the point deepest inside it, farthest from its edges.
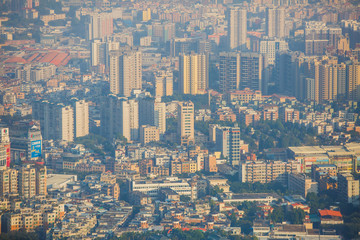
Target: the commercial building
(26, 141)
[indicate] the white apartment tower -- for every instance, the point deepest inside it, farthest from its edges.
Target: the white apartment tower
(153, 113)
(275, 22)
(120, 117)
(185, 115)
(81, 118)
(237, 27)
(65, 123)
(125, 71)
(97, 53)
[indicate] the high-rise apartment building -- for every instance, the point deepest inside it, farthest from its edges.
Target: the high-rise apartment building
(27, 181)
(269, 48)
(237, 28)
(99, 26)
(163, 84)
(162, 32)
(120, 118)
(251, 71)
(275, 22)
(185, 128)
(318, 36)
(183, 46)
(238, 71)
(41, 180)
(194, 73)
(81, 118)
(229, 71)
(125, 71)
(98, 49)
(153, 112)
(348, 188)
(353, 79)
(8, 182)
(285, 72)
(229, 143)
(60, 122)
(64, 120)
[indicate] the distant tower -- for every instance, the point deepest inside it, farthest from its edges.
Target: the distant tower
(275, 22)
(81, 118)
(237, 28)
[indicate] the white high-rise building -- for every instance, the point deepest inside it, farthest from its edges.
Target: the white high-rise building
(97, 53)
(185, 116)
(153, 112)
(237, 28)
(269, 47)
(56, 120)
(160, 116)
(275, 22)
(100, 25)
(81, 118)
(120, 117)
(133, 118)
(64, 116)
(125, 71)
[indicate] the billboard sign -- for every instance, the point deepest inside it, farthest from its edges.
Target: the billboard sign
(36, 149)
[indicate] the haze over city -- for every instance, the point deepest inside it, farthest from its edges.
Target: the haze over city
(179, 120)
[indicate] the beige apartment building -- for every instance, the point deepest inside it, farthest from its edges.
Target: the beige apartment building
(149, 134)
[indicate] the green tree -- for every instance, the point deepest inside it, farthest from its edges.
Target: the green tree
(277, 215)
(296, 216)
